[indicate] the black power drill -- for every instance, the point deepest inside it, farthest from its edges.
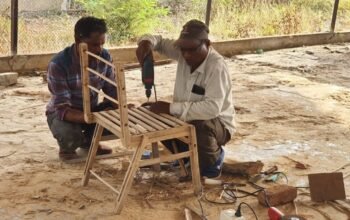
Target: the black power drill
(148, 76)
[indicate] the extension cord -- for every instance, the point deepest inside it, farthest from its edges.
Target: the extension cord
(229, 214)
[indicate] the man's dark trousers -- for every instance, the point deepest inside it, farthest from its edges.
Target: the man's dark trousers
(211, 135)
(71, 135)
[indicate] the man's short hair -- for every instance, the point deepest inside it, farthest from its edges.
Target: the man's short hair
(87, 25)
(195, 29)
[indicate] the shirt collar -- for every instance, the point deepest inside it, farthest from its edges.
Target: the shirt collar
(201, 67)
(75, 56)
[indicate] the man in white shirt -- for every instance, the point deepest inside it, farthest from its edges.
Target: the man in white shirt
(202, 94)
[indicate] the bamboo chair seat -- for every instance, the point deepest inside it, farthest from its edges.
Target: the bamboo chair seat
(141, 121)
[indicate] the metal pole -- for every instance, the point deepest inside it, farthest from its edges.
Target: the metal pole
(14, 26)
(207, 16)
(334, 17)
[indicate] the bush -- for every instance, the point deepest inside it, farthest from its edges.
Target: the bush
(126, 19)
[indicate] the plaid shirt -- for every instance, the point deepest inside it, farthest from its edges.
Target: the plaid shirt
(65, 82)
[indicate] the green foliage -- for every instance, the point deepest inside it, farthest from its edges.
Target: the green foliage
(126, 19)
(251, 18)
(315, 5)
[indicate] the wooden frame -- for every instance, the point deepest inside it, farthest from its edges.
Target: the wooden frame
(137, 127)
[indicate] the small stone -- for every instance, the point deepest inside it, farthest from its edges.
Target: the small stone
(309, 52)
(9, 78)
(36, 197)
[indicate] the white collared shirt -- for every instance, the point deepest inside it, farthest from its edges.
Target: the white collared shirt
(212, 75)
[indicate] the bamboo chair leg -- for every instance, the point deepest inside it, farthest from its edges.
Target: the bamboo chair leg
(194, 162)
(155, 154)
(129, 177)
(183, 169)
(92, 153)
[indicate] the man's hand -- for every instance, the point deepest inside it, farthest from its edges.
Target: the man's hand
(131, 106)
(158, 107)
(143, 50)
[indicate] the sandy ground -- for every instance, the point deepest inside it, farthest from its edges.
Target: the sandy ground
(293, 102)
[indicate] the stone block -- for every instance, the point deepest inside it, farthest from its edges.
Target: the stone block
(9, 78)
(277, 195)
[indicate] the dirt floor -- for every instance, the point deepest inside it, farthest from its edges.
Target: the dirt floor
(292, 104)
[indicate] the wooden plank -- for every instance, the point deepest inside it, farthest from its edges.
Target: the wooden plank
(104, 95)
(184, 139)
(162, 159)
(99, 157)
(196, 178)
(173, 119)
(101, 59)
(181, 162)
(326, 186)
(123, 107)
(159, 117)
(92, 153)
(115, 120)
(84, 60)
(141, 123)
(132, 124)
(109, 137)
(188, 214)
(164, 134)
(107, 124)
(134, 165)
(104, 182)
(102, 76)
(146, 121)
(150, 120)
(110, 117)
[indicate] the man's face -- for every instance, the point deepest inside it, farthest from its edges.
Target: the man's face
(95, 42)
(193, 51)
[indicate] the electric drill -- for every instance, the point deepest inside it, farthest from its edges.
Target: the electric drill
(148, 75)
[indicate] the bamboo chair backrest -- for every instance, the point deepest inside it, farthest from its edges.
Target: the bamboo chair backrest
(119, 83)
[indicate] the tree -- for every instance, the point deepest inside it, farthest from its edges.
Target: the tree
(126, 18)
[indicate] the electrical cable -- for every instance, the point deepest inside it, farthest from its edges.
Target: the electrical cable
(231, 194)
(200, 204)
(239, 213)
(283, 174)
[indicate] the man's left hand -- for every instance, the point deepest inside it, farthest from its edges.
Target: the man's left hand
(160, 107)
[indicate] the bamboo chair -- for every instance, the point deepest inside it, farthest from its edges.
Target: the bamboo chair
(137, 128)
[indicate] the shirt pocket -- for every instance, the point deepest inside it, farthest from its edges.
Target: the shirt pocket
(196, 97)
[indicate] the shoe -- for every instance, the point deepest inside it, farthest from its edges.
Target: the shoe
(67, 155)
(214, 172)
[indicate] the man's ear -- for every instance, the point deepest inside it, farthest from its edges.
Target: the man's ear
(77, 39)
